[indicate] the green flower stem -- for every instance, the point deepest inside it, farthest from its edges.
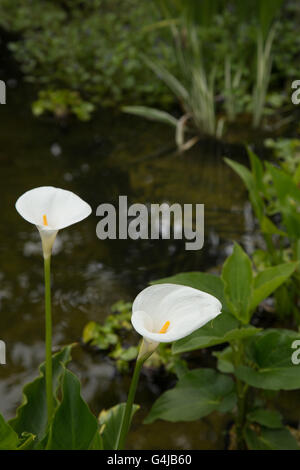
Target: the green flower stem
(146, 349)
(49, 393)
(128, 410)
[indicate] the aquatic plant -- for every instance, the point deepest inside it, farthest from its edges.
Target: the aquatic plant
(275, 197)
(50, 210)
(194, 88)
(265, 13)
(165, 313)
(253, 361)
(184, 309)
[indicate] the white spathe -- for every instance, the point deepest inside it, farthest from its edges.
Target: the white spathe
(60, 207)
(184, 308)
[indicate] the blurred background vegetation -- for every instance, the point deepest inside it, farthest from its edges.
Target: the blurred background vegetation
(231, 57)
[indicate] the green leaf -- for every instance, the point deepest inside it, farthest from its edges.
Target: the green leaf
(74, 426)
(284, 184)
(170, 80)
(152, 114)
(268, 418)
(196, 394)
(257, 169)
(267, 226)
(267, 281)
(225, 360)
(32, 414)
(206, 282)
(223, 329)
(110, 422)
(269, 355)
(251, 184)
(8, 437)
(97, 442)
(271, 439)
(238, 280)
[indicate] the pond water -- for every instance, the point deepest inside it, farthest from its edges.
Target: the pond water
(111, 155)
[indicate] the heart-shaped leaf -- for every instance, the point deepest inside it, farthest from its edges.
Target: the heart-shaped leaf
(74, 426)
(32, 414)
(196, 394)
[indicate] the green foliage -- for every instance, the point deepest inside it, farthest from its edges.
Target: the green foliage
(256, 358)
(151, 114)
(73, 426)
(238, 283)
(286, 152)
(82, 54)
(114, 336)
(86, 54)
(8, 437)
(61, 103)
(196, 394)
(109, 335)
(268, 418)
(204, 33)
(239, 291)
(225, 360)
(224, 329)
(268, 361)
(31, 416)
(110, 422)
(270, 439)
(274, 192)
(269, 280)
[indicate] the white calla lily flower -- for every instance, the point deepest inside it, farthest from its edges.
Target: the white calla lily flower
(161, 314)
(51, 209)
(164, 313)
